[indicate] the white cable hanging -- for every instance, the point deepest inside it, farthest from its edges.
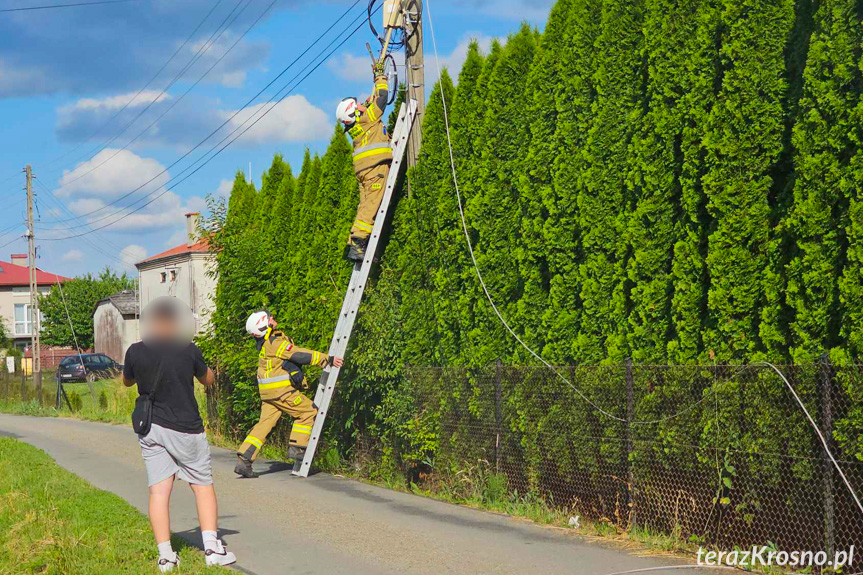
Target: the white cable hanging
(537, 356)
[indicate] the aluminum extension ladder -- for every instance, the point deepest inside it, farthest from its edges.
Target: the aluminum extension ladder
(354, 295)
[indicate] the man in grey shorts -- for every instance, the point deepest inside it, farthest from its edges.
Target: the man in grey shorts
(176, 445)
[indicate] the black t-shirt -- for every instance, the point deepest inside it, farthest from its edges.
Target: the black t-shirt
(174, 405)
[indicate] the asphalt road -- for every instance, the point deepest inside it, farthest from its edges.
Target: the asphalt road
(325, 524)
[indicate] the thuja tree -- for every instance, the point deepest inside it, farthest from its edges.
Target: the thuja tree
(561, 232)
(743, 140)
(605, 197)
(827, 138)
(494, 211)
(453, 255)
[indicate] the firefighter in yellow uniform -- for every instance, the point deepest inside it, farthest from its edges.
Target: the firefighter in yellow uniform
(372, 158)
(280, 382)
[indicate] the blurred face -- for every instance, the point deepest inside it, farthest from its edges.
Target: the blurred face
(272, 323)
(164, 328)
(167, 319)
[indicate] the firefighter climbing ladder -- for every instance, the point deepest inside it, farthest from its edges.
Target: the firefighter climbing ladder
(354, 295)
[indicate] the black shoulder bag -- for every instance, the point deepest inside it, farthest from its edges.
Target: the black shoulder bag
(142, 415)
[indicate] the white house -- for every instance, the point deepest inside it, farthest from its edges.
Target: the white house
(182, 271)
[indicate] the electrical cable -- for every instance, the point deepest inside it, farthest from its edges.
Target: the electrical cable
(504, 322)
(140, 91)
(265, 112)
(73, 5)
(215, 131)
(488, 294)
(164, 91)
(817, 430)
(12, 241)
(94, 245)
(217, 152)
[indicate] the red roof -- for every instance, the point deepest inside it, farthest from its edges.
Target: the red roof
(201, 246)
(15, 275)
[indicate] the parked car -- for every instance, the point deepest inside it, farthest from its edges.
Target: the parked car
(88, 367)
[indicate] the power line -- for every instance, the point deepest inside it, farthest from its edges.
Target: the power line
(135, 97)
(205, 162)
(227, 121)
(74, 5)
(204, 48)
(94, 245)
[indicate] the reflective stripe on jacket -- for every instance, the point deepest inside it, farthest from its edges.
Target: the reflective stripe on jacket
(371, 141)
(273, 349)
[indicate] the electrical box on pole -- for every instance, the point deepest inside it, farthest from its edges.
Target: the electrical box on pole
(392, 14)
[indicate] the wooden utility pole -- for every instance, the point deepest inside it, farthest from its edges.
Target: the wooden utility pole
(35, 348)
(413, 10)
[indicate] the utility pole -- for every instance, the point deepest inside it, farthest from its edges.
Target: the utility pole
(413, 10)
(36, 362)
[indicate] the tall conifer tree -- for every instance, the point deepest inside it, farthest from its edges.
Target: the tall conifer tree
(743, 143)
(604, 200)
(825, 181)
(495, 209)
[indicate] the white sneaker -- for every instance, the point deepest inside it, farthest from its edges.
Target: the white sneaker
(166, 565)
(219, 556)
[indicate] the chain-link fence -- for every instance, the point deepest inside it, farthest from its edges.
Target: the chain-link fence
(720, 454)
(21, 386)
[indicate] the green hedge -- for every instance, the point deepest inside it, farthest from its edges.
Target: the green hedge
(669, 181)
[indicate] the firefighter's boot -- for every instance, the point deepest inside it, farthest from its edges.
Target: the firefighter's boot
(357, 248)
(296, 453)
(244, 468)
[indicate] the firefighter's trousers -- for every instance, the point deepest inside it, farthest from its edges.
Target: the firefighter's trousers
(294, 404)
(372, 182)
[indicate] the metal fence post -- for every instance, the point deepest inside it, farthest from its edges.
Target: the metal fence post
(630, 417)
(825, 393)
(498, 414)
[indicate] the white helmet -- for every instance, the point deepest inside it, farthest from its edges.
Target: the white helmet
(346, 112)
(258, 323)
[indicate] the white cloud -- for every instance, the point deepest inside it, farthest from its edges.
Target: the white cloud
(132, 254)
(168, 211)
(17, 81)
(353, 68)
(224, 189)
(154, 207)
(235, 61)
(85, 205)
(177, 238)
(73, 255)
(294, 119)
(110, 174)
(116, 102)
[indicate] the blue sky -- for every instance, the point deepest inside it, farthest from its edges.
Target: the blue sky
(66, 75)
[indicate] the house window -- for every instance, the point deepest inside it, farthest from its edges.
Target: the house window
(23, 319)
(164, 276)
(173, 275)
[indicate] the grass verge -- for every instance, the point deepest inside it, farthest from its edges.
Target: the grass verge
(54, 522)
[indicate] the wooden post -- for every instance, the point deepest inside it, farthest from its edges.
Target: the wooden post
(825, 392)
